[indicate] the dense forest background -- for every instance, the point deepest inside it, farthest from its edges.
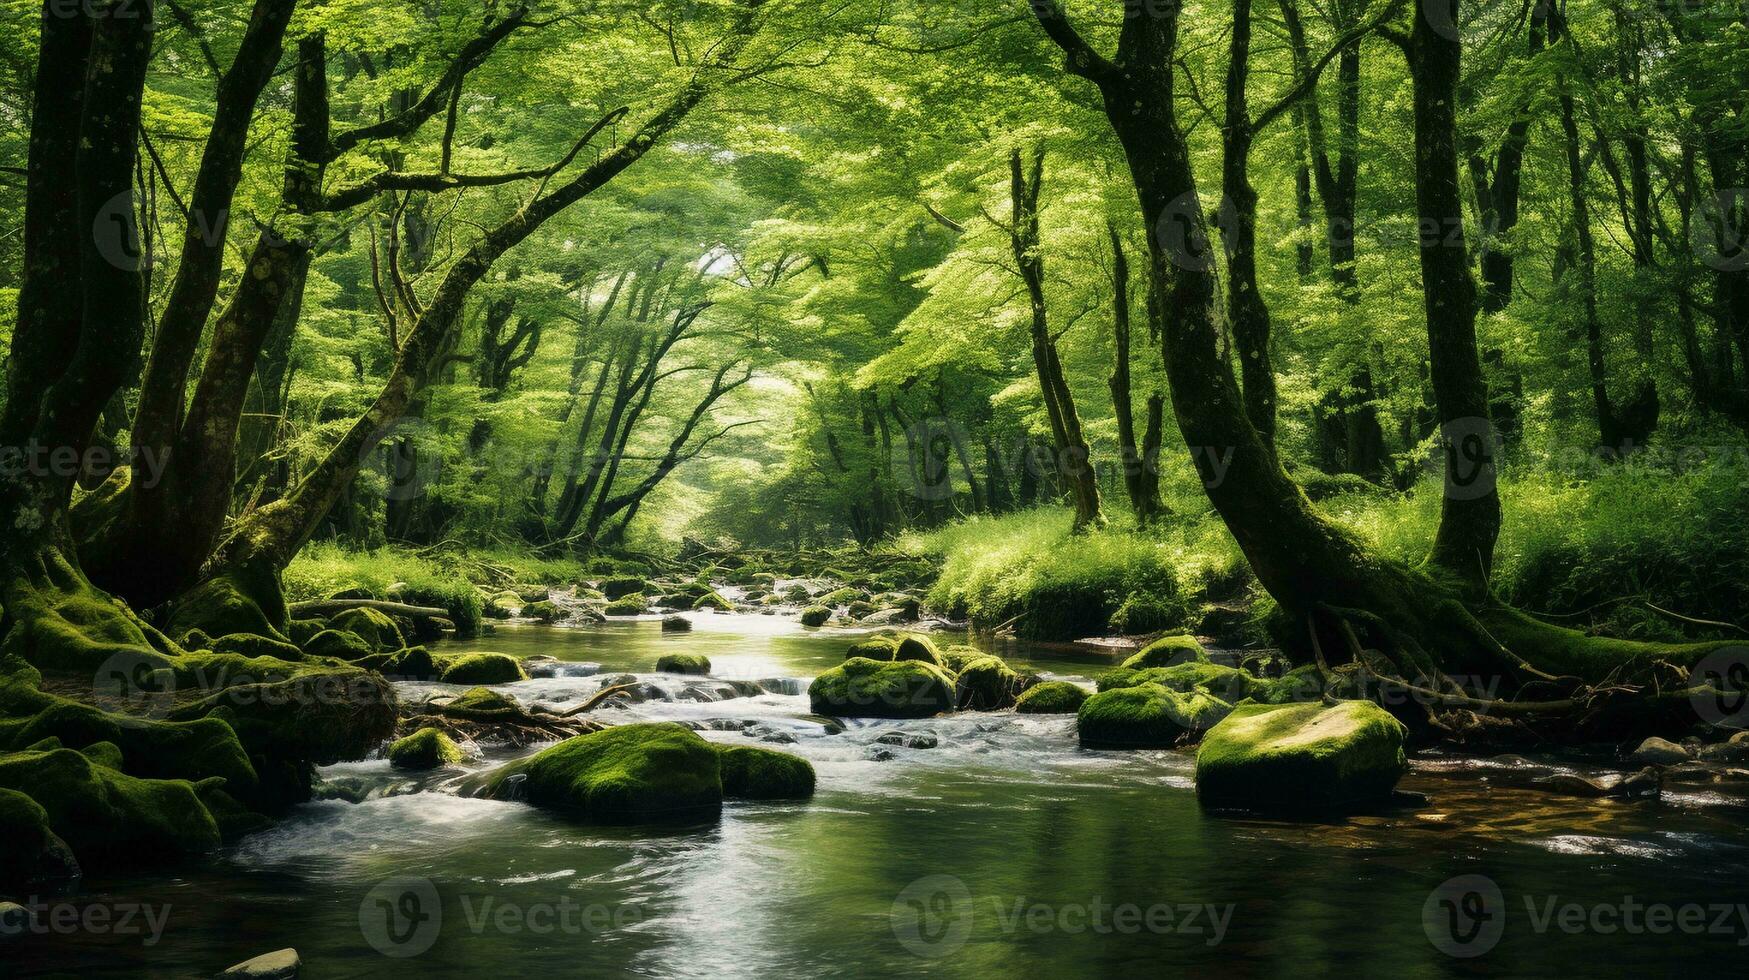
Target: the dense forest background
(562, 277)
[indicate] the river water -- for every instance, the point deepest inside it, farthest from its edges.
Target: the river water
(1002, 850)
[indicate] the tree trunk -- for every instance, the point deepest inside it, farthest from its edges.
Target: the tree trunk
(1142, 482)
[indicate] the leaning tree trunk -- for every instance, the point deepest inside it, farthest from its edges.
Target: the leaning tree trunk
(1423, 623)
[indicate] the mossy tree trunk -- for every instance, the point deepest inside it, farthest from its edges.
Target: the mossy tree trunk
(1141, 462)
(1432, 620)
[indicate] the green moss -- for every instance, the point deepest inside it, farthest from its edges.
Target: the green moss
(840, 597)
(625, 774)
(816, 616)
(484, 705)
(59, 621)
(427, 748)
(340, 645)
(915, 646)
(251, 645)
(240, 600)
(683, 663)
(713, 600)
(1168, 651)
(1297, 686)
(302, 630)
(483, 668)
(33, 853)
(860, 688)
(987, 684)
(1217, 680)
(318, 715)
(622, 586)
(1149, 716)
(874, 648)
(104, 754)
(373, 625)
(760, 774)
(859, 609)
(633, 605)
(413, 663)
(955, 658)
(1301, 757)
(1051, 698)
(110, 818)
(544, 611)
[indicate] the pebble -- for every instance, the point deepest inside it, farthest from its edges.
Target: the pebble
(909, 740)
(1659, 752)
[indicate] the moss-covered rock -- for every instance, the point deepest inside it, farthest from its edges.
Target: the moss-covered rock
(316, 715)
(816, 616)
(860, 688)
(301, 631)
(484, 705)
(956, 657)
(340, 645)
(841, 597)
(483, 668)
(1051, 698)
(621, 586)
(107, 817)
(375, 626)
(1216, 680)
(915, 646)
(713, 600)
(683, 663)
(544, 611)
(413, 663)
(1144, 717)
(1301, 757)
(987, 684)
(761, 774)
(874, 648)
(32, 853)
(427, 748)
(859, 609)
(1168, 651)
(632, 605)
(625, 774)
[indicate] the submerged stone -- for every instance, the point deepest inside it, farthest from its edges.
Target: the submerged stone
(1051, 698)
(861, 688)
(625, 774)
(1147, 716)
(676, 624)
(1301, 757)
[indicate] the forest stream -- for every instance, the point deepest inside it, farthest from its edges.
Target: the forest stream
(1000, 849)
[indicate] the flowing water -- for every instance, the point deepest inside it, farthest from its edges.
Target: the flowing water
(1002, 850)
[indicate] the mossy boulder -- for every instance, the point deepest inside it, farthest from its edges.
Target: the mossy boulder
(1051, 698)
(340, 645)
(861, 688)
(1145, 717)
(621, 586)
(32, 853)
(816, 616)
(956, 657)
(987, 684)
(761, 774)
(625, 774)
(874, 648)
(251, 645)
(483, 668)
(107, 817)
(1228, 684)
(1301, 757)
(914, 646)
(676, 624)
(841, 597)
(484, 705)
(859, 609)
(375, 626)
(413, 663)
(632, 605)
(1168, 651)
(713, 600)
(301, 631)
(544, 611)
(427, 748)
(315, 715)
(683, 663)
